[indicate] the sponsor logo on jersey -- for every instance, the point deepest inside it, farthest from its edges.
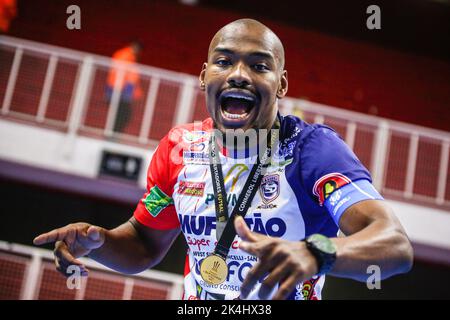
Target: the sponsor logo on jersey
(204, 225)
(197, 147)
(193, 189)
(286, 150)
(194, 136)
(283, 154)
(327, 184)
(294, 134)
(267, 206)
(237, 270)
(231, 199)
(156, 201)
(195, 152)
(270, 188)
(335, 197)
(198, 243)
(305, 291)
(195, 157)
(235, 173)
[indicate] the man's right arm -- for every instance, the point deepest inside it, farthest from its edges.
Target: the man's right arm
(137, 244)
(129, 248)
(133, 247)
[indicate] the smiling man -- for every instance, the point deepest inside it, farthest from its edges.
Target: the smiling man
(259, 225)
(244, 76)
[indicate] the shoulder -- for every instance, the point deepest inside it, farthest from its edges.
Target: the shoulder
(185, 142)
(190, 132)
(294, 128)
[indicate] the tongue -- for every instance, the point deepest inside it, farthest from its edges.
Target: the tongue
(235, 106)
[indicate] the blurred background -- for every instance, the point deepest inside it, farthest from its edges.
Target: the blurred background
(83, 108)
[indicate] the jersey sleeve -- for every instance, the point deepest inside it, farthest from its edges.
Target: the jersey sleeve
(156, 209)
(332, 173)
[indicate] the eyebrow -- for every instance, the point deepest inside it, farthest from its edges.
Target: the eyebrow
(262, 54)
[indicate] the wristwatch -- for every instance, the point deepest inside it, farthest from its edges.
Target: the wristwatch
(324, 250)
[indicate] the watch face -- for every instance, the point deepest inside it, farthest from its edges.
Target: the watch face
(323, 243)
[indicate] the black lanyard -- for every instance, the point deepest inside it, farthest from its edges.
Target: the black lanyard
(225, 231)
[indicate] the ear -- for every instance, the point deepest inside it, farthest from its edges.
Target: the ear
(283, 86)
(201, 77)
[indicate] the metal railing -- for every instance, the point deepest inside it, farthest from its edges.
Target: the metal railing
(65, 89)
(29, 273)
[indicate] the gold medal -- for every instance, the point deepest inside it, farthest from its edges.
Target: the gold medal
(214, 269)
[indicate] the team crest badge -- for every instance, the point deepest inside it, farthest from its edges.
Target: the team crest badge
(270, 188)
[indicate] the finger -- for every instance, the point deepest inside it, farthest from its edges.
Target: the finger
(73, 269)
(67, 269)
(287, 286)
(58, 267)
(96, 234)
(92, 238)
(258, 271)
(63, 253)
(249, 248)
(71, 238)
(261, 248)
(64, 269)
(64, 259)
(84, 272)
(93, 233)
(268, 261)
(244, 232)
(277, 275)
(52, 236)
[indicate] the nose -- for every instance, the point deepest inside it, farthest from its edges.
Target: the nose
(239, 76)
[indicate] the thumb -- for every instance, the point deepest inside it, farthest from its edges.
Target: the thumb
(95, 237)
(243, 230)
(93, 233)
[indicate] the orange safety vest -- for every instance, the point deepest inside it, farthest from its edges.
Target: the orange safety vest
(126, 57)
(8, 11)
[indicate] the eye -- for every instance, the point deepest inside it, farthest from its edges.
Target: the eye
(223, 62)
(261, 67)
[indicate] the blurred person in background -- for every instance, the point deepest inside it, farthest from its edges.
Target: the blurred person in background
(8, 11)
(129, 84)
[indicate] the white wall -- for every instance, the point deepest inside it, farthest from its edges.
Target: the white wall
(424, 224)
(57, 151)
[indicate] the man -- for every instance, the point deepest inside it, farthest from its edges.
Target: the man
(8, 11)
(261, 233)
(127, 83)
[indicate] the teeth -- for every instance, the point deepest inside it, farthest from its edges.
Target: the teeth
(236, 95)
(234, 116)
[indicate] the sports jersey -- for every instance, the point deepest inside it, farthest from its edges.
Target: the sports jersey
(314, 179)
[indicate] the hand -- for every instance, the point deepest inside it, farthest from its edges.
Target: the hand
(286, 262)
(72, 241)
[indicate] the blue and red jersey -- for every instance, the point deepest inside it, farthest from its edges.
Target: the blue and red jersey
(313, 178)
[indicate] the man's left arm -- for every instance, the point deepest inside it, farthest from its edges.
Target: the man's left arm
(342, 185)
(374, 236)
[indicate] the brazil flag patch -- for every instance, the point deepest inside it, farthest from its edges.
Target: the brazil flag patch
(156, 201)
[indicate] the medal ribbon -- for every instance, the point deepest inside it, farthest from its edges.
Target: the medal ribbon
(225, 231)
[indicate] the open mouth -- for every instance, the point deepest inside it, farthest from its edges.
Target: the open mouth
(236, 106)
